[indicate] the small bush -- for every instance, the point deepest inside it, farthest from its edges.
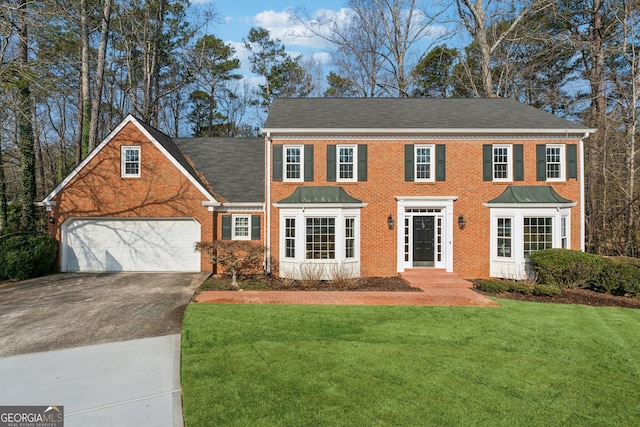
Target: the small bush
(493, 286)
(620, 276)
(27, 255)
(546, 290)
(566, 268)
(520, 288)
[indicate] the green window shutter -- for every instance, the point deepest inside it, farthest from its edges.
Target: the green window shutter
(362, 162)
(518, 162)
(487, 162)
(308, 162)
(572, 161)
(541, 162)
(441, 162)
(226, 227)
(331, 163)
(255, 227)
(276, 161)
(408, 162)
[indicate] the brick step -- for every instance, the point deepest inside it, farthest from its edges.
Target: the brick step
(420, 277)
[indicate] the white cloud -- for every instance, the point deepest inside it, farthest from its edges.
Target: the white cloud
(284, 26)
(200, 1)
(227, 20)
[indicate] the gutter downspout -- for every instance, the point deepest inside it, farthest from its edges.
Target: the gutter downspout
(267, 211)
(582, 193)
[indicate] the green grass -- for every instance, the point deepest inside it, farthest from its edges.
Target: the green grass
(525, 364)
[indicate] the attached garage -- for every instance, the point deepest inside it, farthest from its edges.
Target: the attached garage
(110, 244)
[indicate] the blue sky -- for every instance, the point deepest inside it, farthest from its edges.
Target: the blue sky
(235, 19)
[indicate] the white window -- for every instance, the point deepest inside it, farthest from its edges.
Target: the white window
(504, 230)
(347, 162)
(424, 163)
(502, 162)
(555, 162)
(323, 243)
(564, 240)
(537, 235)
(293, 161)
(130, 162)
(290, 238)
(241, 227)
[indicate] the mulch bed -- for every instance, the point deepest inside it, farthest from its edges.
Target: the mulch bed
(573, 296)
(365, 284)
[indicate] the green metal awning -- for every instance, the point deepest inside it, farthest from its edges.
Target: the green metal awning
(530, 195)
(320, 195)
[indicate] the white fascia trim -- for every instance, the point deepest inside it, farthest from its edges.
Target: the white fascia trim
(424, 131)
(319, 205)
(530, 205)
(237, 207)
(129, 119)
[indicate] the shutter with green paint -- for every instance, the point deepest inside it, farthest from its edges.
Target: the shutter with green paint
(541, 162)
(226, 227)
(331, 163)
(276, 160)
(255, 227)
(441, 162)
(518, 162)
(487, 162)
(362, 162)
(572, 161)
(308, 162)
(408, 162)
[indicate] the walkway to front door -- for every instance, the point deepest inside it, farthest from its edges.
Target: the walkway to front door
(438, 289)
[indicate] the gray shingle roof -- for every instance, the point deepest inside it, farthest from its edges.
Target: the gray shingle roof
(410, 113)
(233, 166)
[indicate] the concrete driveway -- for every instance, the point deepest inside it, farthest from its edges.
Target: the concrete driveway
(104, 346)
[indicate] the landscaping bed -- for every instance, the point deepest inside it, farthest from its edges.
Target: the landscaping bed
(365, 284)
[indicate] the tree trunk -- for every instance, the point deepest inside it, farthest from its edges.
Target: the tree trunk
(85, 107)
(25, 127)
(3, 196)
(99, 83)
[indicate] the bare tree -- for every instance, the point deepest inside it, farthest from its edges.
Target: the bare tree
(235, 256)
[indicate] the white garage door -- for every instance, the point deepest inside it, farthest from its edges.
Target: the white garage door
(130, 245)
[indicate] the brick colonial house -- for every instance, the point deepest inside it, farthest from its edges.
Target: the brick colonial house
(347, 187)
(372, 187)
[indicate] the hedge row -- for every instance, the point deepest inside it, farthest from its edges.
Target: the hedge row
(496, 286)
(26, 255)
(566, 268)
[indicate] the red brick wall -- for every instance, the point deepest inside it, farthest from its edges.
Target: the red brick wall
(386, 181)
(161, 191)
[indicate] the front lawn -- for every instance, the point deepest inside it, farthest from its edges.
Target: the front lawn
(519, 364)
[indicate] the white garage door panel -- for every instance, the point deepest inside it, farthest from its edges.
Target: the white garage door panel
(130, 245)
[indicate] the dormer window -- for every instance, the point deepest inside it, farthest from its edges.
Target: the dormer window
(130, 162)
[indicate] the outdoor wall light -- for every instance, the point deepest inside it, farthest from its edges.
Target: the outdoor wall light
(462, 222)
(390, 222)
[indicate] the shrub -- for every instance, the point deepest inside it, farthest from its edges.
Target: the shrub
(567, 268)
(520, 288)
(546, 290)
(620, 276)
(27, 255)
(494, 286)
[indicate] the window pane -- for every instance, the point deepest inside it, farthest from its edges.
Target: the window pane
(554, 163)
(504, 237)
(132, 161)
(290, 238)
(293, 162)
(350, 234)
(538, 234)
(241, 226)
(320, 238)
(345, 162)
(423, 162)
(500, 163)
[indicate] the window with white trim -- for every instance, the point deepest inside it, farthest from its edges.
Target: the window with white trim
(130, 161)
(564, 239)
(537, 235)
(347, 162)
(504, 230)
(502, 162)
(293, 161)
(241, 229)
(349, 238)
(289, 237)
(321, 238)
(555, 162)
(424, 163)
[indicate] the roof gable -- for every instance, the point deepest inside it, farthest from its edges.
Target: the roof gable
(161, 141)
(417, 115)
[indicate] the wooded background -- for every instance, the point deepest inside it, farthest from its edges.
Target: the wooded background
(70, 71)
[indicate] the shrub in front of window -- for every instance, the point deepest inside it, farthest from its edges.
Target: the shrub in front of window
(546, 290)
(27, 255)
(493, 286)
(234, 256)
(567, 268)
